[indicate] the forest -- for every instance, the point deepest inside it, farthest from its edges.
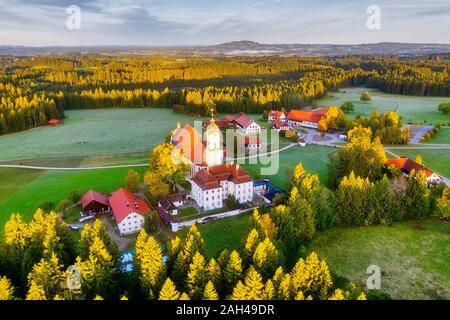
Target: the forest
(36, 89)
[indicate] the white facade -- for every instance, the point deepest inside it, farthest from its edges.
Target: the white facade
(213, 198)
(272, 117)
(306, 124)
(207, 199)
(253, 128)
(132, 223)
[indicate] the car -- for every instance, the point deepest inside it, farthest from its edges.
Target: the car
(86, 219)
(75, 228)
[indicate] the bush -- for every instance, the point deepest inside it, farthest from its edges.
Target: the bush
(150, 222)
(47, 206)
(74, 196)
(365, 96)
(63, 205)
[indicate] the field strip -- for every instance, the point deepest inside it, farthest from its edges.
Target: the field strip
(18, 166)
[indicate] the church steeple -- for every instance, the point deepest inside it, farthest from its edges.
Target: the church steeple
(214, 149)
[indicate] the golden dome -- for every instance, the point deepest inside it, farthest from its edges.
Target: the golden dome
(212, 126)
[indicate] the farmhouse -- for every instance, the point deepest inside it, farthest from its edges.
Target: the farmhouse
(251, 142)
(94, 202)
(245, 124)
(212, 186)
(280, 125)
(406, 165)
(128, 211)
(308, 119)
(276, 115)
(221, 123)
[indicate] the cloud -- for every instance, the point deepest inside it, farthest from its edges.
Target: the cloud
(150, 22)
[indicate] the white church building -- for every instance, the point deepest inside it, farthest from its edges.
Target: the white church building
(212, 181)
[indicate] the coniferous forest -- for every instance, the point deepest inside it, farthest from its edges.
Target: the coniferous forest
(36, 89)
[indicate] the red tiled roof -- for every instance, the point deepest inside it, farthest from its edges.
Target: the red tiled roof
(221, 123)
(229, 119)
(313, 116)
(276, 114)
(123, 202)
(278, 124)
(92, 195)
(408, 165)
(54, 121)
(210, 178)
(243, 120)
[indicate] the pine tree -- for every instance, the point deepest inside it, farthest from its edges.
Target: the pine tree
(36, 292)
(197, 276)
(48, 275)
(266, 258)
(232, 272)
(239, 292)
(169, 291)
(210, 292)
(6, 289)
(149, 259)
(417, 195)
(250, 245)
(254, 285)
(214, 273)
(98, 272)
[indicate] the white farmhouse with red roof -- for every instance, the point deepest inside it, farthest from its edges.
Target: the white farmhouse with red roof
(246, 125)
(406, 165)
(128, 211)
(212, 186)
(276, 115)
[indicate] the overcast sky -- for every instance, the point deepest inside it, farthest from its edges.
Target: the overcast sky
(183, 22)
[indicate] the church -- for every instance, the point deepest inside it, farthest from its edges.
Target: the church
(212, 180)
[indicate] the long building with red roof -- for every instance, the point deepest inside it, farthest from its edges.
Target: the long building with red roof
(128, 210)
(212, 186)
(406, 165)
(305, 118)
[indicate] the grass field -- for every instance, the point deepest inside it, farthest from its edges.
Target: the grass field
(437, 160)
(414, 257)
(222, 234)
(87, 132)
(314, 159)
(442, 137)
(54, 186)
(12, 180)
(411, 108)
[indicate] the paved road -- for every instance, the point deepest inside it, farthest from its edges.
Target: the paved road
(417, 132)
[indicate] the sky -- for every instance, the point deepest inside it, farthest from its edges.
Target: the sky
(203, 22)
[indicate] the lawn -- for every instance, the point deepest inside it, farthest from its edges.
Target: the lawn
(55, 185)
(222, 234)
(94, 132)
(438, 159)
(12, 180)
(411, 108)
(442, 137)
(314, 159)
(414, 257)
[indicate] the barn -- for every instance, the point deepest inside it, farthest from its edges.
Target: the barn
(94, 202)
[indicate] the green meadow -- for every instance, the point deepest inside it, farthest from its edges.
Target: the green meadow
(53, 186)
(414, 257)
(411, 108)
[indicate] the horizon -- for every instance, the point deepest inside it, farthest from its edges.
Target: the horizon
(159, 23)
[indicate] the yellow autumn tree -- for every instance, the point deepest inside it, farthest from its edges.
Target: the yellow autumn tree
(6, 289)
(169, 291)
